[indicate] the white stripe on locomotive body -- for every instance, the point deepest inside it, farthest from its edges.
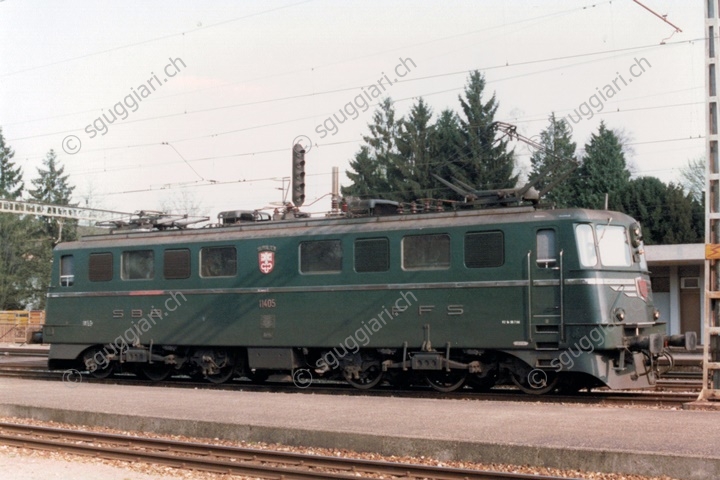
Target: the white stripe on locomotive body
(615, 283)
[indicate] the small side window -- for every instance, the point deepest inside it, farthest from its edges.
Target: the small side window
(426, 252)
(545, 248)
(372, 255)
(218, 262)
(484, 249)
(176, 264)
(321, 256)
(101, 267)
(67, 271)
(137, 265)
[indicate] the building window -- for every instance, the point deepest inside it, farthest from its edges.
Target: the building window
(101, 267)
(218, 262)
(137, 265)
(484, 249)
(660, 279)
(372, 255)
(426, 252)
(321, 256)
(67, 271)
(176, 264)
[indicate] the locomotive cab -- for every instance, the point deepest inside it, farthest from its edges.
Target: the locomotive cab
(609, 328)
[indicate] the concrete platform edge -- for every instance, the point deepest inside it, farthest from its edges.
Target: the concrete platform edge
(640, 463)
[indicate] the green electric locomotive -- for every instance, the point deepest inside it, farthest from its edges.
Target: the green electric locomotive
(542, 298)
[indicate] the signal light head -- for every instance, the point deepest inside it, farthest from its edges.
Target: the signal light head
(298, 175)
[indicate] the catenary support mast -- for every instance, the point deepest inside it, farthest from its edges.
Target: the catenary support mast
(711, 323)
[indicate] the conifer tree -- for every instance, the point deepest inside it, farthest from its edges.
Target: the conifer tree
(414, 162)
(382, 152)
(52, 187)
(487, 163)
(603, 170)
(365, 176)
(20, 252)
(11, 183)
(559, 156)
(666, 213)
(446, 148)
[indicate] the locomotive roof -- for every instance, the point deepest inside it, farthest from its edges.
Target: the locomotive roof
(341, 225)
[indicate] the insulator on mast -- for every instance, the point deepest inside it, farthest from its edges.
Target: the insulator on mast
(335, 205)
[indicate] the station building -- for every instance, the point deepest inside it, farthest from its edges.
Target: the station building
(677, 275)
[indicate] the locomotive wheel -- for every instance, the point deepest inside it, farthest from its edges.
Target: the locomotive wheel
(258, 376)
(156, 372)
(537, 382)
(572, 384)
(446, 382)
(225, 374)
(482, 384)
(100, 370)
(103, 372)
(219, 361)
(369, 375)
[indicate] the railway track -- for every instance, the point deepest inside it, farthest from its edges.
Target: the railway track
(679, 385)
(24, 351)
(232, 460)
(599, 397)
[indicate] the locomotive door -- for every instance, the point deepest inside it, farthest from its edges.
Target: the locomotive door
(545, 292)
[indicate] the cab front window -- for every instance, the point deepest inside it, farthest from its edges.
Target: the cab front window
(613, 246)
(586, 245)
(607, 244)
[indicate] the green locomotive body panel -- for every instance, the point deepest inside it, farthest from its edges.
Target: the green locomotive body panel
(510, 280)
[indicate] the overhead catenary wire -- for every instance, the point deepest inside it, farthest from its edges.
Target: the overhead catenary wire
(358, 87)
(260, 152)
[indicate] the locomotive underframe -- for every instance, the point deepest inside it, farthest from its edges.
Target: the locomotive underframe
(631, 366)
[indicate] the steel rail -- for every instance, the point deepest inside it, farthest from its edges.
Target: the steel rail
(224, 459)
(654, 398)
(684, 385)
(24, 351)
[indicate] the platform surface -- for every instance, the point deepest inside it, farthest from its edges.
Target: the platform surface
(678, 443)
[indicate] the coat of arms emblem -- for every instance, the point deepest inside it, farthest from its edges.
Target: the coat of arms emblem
(266, 258)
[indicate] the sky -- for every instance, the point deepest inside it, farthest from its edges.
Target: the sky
(197, 104)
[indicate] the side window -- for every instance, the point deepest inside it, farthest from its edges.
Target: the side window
(484, 249)
(426, 252)
(137, 265)
(101, 267)
(67, 271)
(321, 256)
(372, 255)
(586, 245)
(218, 262)
(546, 248)
(176, 264)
